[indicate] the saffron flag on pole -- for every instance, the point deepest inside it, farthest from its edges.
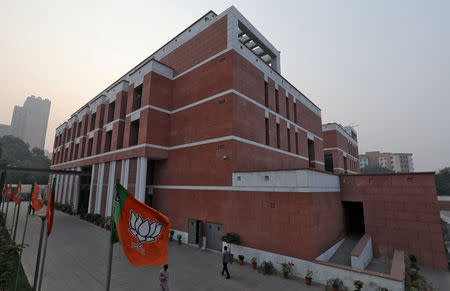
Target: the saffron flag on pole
(143, 231)
(5, 188)
(51, 208)
(17, 194)
(8, 195)
(36, 198)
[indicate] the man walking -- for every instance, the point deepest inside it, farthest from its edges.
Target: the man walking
(164, 278)
(225, 260)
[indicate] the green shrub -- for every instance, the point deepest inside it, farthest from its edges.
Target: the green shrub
(358, 284)
(253, 260)
(241, 257)
(267, 268)
(336, 282)
(231, 238)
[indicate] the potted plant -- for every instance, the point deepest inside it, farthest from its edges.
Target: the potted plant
(413, 261)
(241, 259)
(336, 284)
(267, 268)
(253, 261)
(171, 232)
(231, 238)
(308, 277)
(286, 268)
(179, 238)
(358, 285)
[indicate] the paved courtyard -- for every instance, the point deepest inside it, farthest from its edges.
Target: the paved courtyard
(77, 256)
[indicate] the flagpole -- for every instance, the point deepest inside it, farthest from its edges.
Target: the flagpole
(108, 274)
(14, 217)
(17, 220)
(6, 214)
(43, 262)
(36, 271)
(21, 248)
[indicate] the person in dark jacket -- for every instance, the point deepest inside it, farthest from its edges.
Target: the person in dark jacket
(225, 261)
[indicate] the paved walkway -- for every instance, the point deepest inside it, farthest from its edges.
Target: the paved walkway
(77, 256)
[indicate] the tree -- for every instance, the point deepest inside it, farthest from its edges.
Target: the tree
(375, 170)
(442, 179)
(15, 153)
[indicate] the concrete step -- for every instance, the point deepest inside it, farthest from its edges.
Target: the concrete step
(342, 255)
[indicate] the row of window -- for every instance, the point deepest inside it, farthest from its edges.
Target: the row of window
(329, 164)
(73, 152)
(288, 135)
(277, 103)
(75, 132)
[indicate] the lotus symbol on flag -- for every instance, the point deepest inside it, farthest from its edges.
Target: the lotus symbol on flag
(143, 230)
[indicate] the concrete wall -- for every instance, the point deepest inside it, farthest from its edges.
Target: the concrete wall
(362, 254)
(400, 212)
(322, 272)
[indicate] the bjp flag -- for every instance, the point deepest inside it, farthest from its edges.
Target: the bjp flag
(36, 198)
(5, 188)
(7, 194)
(17, 194)
(143, 231)
(51, 208)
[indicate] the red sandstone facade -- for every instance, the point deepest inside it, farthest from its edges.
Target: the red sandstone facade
(206, 130)
(340, 149)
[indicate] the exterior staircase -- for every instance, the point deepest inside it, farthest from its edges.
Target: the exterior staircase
(342, 255)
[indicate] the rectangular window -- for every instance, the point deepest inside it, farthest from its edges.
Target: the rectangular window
(83, 146)
(71, 152)
(137, 96)
(278, 135)
(86, 121)
(266, 94)
(76, 151)
(277, 103)
(296, 143)
(79, 129)
(329, 163)
(93, 121)
(108, 141)
(295, 112)
(311, 153)
(90, 144)
(66, 156)
(134, 133)
(267, 131)
(289, 139)
(345, 164)
(68, 135)
(111, 109)
(98, 149)
(287, 107)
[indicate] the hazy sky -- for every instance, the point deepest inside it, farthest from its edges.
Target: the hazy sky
(381, 65)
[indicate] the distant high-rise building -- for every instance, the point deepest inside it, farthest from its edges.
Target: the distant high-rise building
(396, 162)
(29, 122)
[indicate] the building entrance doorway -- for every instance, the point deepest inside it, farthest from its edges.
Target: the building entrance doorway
(85, 186)
(195, 232)
(354, 218)
(214, 236)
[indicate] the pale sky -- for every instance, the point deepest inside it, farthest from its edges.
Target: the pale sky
(381, 65)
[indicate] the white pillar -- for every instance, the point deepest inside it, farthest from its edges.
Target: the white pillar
(91, 188)
(66, 182)
(70, 188)
(124, 173)
(76, 192)
(110, 193)
(56, 190)
(98, 198)
(141, 179)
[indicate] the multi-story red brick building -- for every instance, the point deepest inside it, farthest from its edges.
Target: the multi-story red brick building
(340, 149)
(209, 132)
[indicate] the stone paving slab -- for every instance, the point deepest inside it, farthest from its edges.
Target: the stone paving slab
(77, 256)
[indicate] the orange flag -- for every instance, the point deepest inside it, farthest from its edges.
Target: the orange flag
(36, 198)
(17, 194)
(7, 194)
(5, 188)
(143, 231)
(51, 208)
